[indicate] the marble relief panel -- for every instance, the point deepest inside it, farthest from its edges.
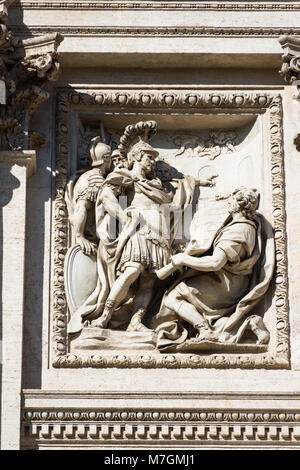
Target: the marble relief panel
(208, 292)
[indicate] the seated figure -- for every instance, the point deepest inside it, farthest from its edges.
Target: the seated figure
(213, 298)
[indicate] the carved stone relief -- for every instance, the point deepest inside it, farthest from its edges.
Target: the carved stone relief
(291, 61)
(180, 427)
(125, 324)
(290, 69)
(215, 144)
(25, 67)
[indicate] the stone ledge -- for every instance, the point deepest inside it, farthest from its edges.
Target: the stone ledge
(183, 427)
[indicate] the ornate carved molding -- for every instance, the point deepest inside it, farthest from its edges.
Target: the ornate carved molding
(181, 427)
(146, 5)
(251, 419)
(290, 69)
(166, 101)
(25, 67)
(291, 58)
(157, 31)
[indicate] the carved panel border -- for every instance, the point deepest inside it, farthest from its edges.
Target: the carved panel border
(166, 101)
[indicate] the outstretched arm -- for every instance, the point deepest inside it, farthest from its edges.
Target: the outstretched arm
(215, 262)
(206, 182)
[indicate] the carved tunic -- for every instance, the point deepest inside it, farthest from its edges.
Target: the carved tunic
(141, 240)
(149, 243)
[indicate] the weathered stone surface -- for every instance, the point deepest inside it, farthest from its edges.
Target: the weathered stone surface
(193, 67)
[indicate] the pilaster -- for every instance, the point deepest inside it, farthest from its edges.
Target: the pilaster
(15, 169)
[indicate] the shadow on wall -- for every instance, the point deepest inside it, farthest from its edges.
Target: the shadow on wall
(8, 183)
(37, 197)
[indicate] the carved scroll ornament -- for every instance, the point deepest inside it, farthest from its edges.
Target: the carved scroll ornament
(25, 67)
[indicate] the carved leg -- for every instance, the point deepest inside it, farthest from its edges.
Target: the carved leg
(259, 329)
(118, 292)
(190, 314)
(102, 321)
(140, 304)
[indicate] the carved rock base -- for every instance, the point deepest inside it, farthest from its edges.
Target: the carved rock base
(102, 339)
(195, 346)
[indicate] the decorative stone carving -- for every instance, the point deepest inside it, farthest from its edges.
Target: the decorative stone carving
(291, 58)
(163, 5)
(75, 427)
(160, 31)
(234, 424)
(134, 252)
(203, 296)
(25, 67)
(218, 142)
(290, 69)
(133, 255)
(180, 101)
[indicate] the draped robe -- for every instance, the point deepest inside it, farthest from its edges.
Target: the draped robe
(224, 297)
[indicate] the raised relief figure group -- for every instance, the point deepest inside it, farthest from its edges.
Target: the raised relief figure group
(127, 272)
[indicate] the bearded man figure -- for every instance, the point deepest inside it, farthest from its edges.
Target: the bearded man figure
(216, 294)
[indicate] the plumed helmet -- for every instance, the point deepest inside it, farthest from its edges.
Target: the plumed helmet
(138, 148)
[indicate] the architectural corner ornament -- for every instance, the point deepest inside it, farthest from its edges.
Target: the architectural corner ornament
(290, 70)
(25, 68)
(291, 58)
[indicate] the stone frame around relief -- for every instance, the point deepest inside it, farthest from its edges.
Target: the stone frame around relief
(166, 101)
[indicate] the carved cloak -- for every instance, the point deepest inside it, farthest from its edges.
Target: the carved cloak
(110, 249)
(226, 297)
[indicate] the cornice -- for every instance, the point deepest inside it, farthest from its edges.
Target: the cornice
(202, 418)
(264, 395)
(141, 31)
(157, 5)
(180, 427)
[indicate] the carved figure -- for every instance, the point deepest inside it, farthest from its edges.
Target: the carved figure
(143, 242)
(81, 195)
(218, 142)
(218, 290)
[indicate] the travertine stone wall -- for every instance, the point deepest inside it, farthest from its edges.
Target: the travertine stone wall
(16, 167)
